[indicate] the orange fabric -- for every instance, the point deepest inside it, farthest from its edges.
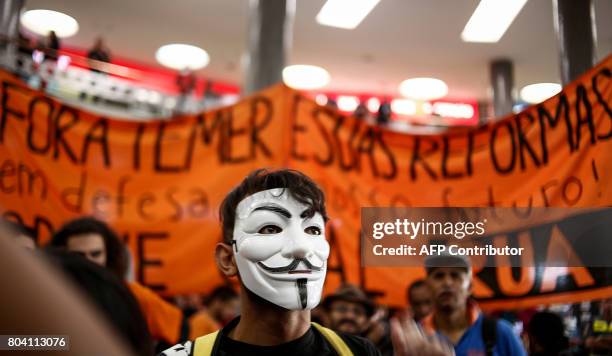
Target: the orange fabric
(201, 323)
(164, 319)
(160, 183)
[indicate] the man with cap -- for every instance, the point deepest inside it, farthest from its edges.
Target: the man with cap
(349, 310)
(456, 319)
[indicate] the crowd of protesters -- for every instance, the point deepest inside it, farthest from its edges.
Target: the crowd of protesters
(440, 306)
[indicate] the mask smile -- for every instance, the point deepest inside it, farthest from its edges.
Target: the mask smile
(292, 267)
(293, 271)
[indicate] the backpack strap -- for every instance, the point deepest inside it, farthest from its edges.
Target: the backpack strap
(203, 345)
(336, 341)
(489, 334)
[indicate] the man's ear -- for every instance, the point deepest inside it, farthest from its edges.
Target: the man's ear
(224, 256)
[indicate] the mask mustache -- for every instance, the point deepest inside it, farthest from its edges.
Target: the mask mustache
(290, 267)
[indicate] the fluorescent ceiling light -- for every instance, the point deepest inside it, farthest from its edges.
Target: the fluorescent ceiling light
(373, 104)
(537, 93)
(458, 110)
(491, 19)
(403, 106)
(182, 56)
(347, 103)
(42, 21)
(345, 14)
(306, 77)
(423, 88)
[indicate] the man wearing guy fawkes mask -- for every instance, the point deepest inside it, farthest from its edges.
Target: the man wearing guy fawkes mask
(274, 241)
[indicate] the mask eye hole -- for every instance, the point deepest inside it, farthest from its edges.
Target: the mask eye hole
(270, 230)
(313, 230)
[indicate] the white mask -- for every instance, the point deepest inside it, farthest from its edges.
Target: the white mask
(281, 259)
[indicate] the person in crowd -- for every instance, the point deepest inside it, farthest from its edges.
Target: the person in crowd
(98, 53)
(25, 45)
(319, 315)
(456, 318)
(599, 339)
(223, 304)
(38, 299)
(110, 295)
(189, 303)
(21, 235)
(384, 113)
(202, 323)
(220, 307)
(361, 112)
(420, 299)
(332, 103)
(94, 240)
(379, 331)
(186, 83)
(546, 335)
(97, 242)
(349, 310)
(273, 227)
(52, 46)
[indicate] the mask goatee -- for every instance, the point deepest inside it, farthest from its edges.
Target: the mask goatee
(303, 291)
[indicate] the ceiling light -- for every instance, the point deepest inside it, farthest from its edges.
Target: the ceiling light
(182, 56)
(63, 62)
(321, 99)
(154, 97)
(373, 104)
(141, 94)
(229, 99)
(423, 88)
(491, 19)
(306, 77)
(458, 110)
(403, 106)
(537, 93)
(345, 14)
(42, 21)
(347, 103)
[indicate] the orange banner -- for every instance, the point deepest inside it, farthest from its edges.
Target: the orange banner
(159, 184)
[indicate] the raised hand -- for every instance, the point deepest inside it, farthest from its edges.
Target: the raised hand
(409, 340)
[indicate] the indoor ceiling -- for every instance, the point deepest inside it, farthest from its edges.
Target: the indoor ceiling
(399, 39)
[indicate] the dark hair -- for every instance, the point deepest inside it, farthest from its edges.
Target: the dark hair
(416, 284)
(547, 330)
(116, 256)
(223, 293)
(302, 188)
(110, 295)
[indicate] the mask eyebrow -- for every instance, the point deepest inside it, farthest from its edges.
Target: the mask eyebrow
(308, 213)
(282, 211)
